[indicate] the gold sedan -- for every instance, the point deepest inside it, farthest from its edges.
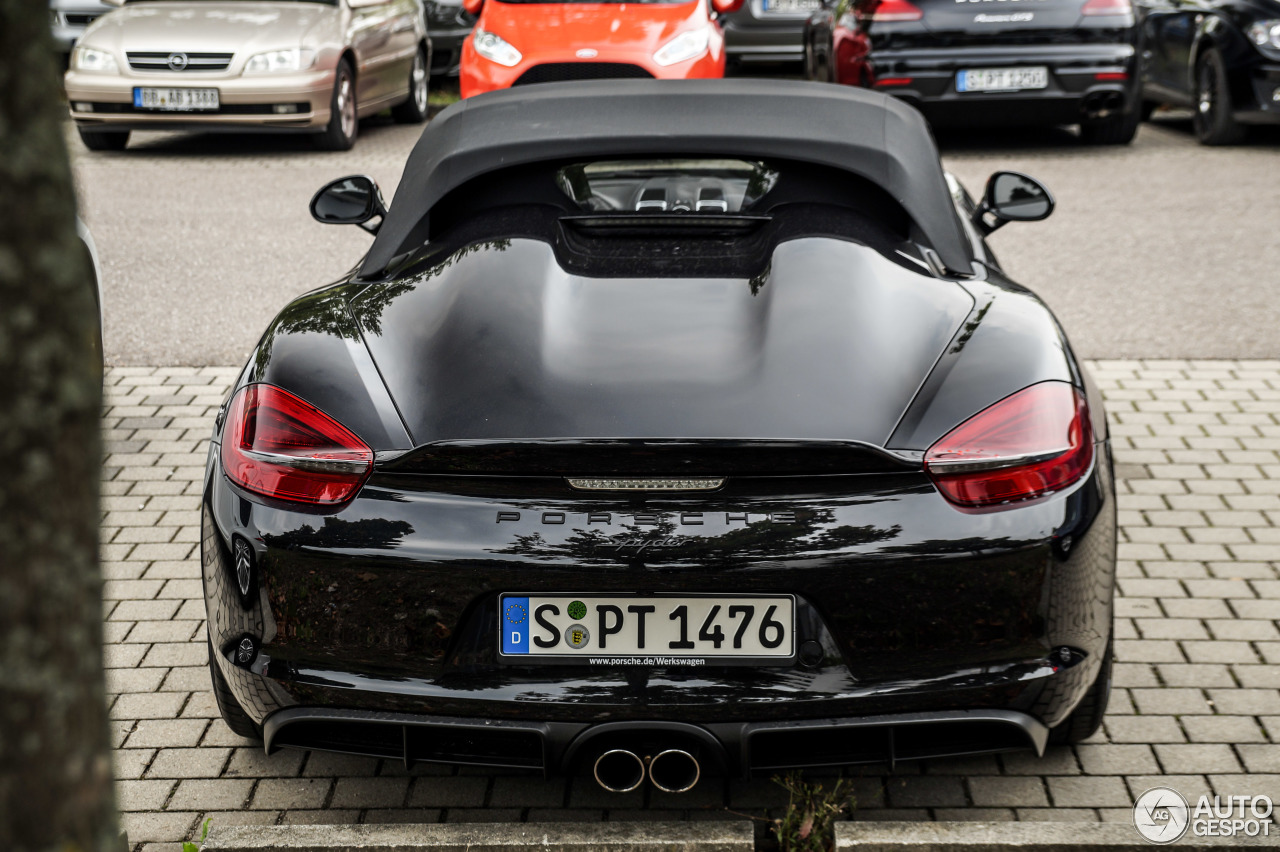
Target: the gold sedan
(310, 66)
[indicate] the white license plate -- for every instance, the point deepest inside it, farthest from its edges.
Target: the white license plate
(790, 7)
(646, 630)
(175, 100)
(1002, 79)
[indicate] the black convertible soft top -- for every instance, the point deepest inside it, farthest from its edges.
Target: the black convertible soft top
(863, 132)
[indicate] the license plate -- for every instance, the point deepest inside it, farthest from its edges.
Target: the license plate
(647, 630)
(175, 100)
(793, 7)
(1002, 79)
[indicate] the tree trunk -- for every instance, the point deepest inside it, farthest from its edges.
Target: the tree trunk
(55, 760)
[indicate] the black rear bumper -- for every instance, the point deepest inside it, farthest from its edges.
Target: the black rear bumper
(744, 749)
(1085, 80)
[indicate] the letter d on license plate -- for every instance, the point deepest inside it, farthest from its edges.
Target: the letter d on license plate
(646, 630)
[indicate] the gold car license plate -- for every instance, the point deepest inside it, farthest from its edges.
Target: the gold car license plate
(175, 100)
(647, 630)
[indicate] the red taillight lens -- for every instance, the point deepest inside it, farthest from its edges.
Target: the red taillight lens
(1107, 7)
(895, 10)
(277, 445)
(1034, 442)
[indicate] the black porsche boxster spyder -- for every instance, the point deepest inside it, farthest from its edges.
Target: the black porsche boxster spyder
(667, 428)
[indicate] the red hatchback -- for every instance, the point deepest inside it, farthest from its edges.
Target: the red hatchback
(529, 41)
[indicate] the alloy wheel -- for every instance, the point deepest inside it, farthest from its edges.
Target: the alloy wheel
(347, 107)
(1205, 97)
(419, 80)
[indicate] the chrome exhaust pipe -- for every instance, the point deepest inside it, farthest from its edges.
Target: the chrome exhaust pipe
(619, 770)
(674, 771)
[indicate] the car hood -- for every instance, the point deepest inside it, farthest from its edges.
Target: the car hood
(207, 26)
(500, 343)
(553, 28)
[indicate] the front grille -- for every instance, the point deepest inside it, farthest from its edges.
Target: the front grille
(225, 109)
(76, 19)
(194, 61)
(555, 72)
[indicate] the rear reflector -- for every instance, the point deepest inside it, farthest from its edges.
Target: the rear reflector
(893, 81)
(1111, 76)
(1107, 7)
(896, 10)
(1037, 441)
(280, 446)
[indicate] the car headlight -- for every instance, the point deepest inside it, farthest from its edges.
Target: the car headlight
(278, 61)
(685, 46)
(493, 48)
(1266, 36)
(88, 59)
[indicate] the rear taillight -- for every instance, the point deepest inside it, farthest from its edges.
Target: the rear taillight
(1037, 441)
(277, 445)
(895, 10)
(1107, 7)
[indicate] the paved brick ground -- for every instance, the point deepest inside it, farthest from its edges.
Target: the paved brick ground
(1196, 704)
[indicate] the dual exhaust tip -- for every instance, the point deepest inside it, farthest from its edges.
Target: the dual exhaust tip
(674, 770)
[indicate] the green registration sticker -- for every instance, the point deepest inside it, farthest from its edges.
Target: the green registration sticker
(577, 610)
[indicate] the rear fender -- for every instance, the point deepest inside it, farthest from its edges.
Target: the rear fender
(1009, 341)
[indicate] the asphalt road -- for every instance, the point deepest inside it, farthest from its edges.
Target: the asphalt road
(1164, 249)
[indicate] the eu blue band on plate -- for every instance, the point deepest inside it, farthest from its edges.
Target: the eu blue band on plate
(515, 625)
(137, 96)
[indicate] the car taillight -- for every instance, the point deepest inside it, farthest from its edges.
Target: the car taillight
(277, 445)
(1037, 441)
(1107, 7)
(895, 10)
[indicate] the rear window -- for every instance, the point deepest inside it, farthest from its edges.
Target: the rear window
(710, 186)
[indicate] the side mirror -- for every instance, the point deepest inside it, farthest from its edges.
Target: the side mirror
(353, 200)
(472, 7)
(1012, 197)
(724, 7)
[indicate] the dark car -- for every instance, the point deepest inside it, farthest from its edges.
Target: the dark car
(996, 62)
(449, 25)
(655, 449)
(1221, 59)
(766, 32)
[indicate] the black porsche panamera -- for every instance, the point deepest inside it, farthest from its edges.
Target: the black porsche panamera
(653, 440)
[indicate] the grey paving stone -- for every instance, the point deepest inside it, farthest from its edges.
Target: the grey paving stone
(1196, 758)
(188, 763)
(459, 792)
(252, 763)
(996, 791)
(1103, 791)
(211, 794)
(1223, 729)
(370, 792)
(143, 795)
(411, 816)
(925, 791)
(1113, 759)
(285, 793)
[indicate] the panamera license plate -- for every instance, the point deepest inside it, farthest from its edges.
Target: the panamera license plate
(175, 100)
(647, 630)
(790, 7)
(1002, 79)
